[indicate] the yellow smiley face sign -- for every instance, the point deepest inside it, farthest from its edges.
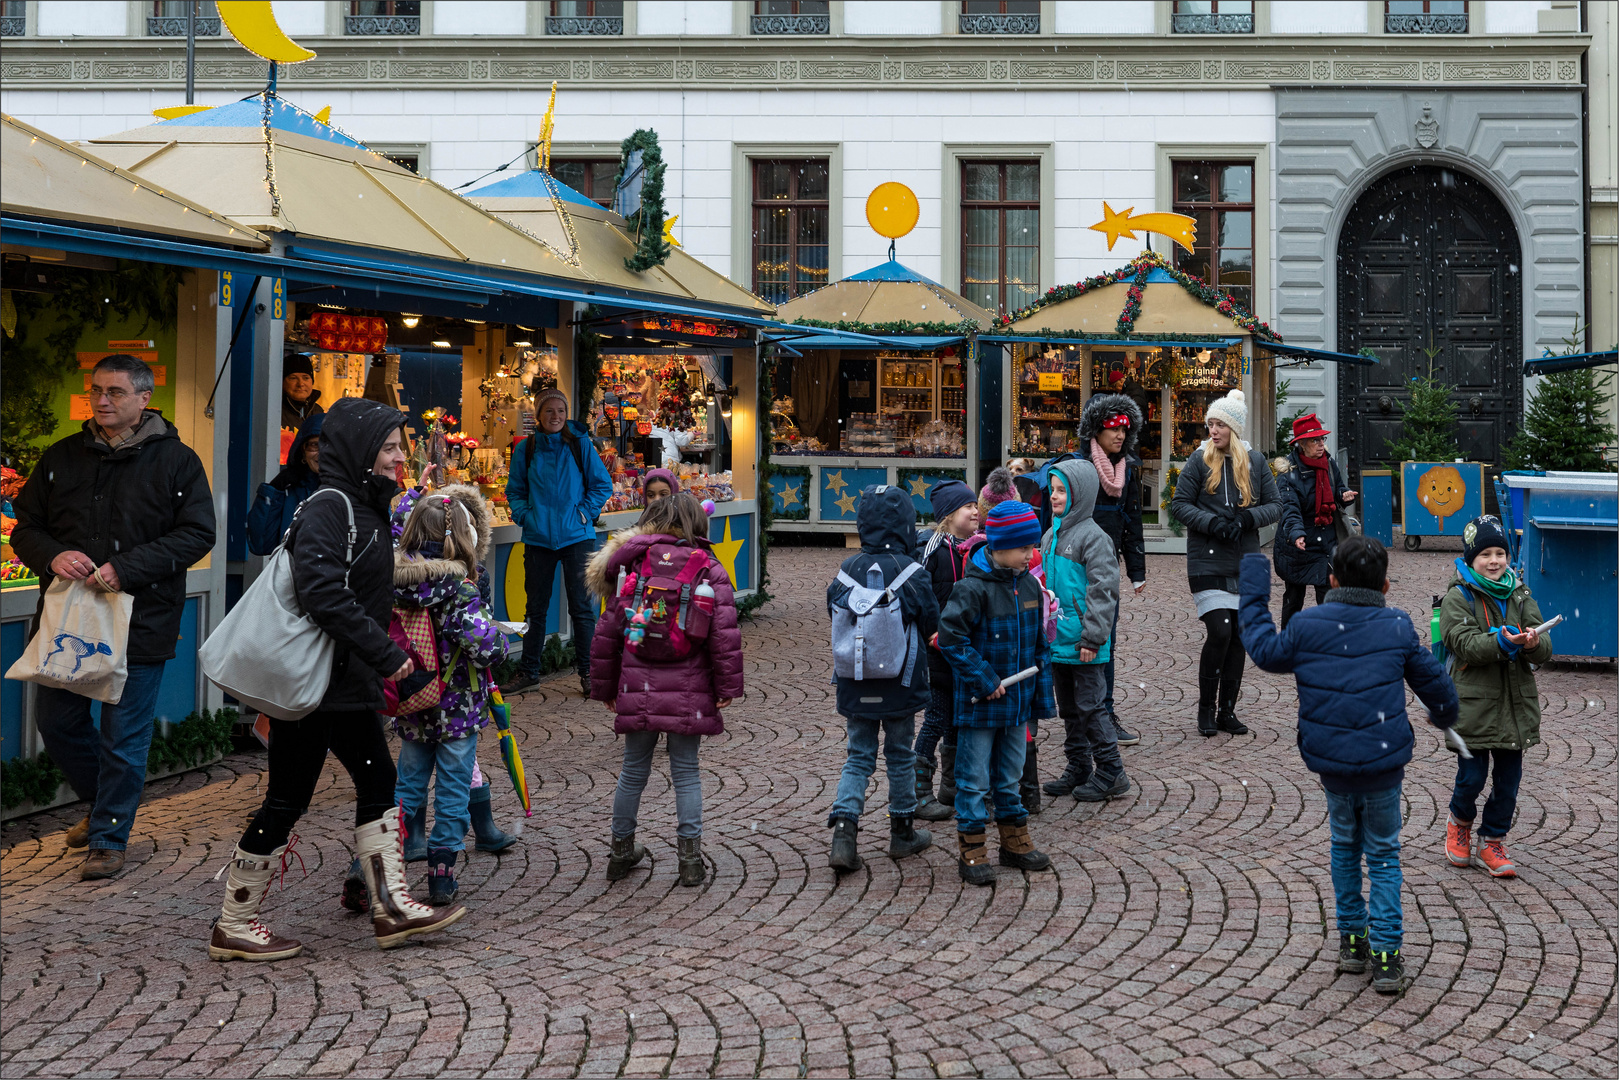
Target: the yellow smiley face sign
(1442, 492)
(892, 210)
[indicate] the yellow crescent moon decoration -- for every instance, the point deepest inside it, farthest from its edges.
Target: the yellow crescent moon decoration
(253, 25)
(892, 210)
(1178, 227)
(174, 112)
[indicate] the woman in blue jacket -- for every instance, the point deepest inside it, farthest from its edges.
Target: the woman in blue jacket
(557, 487)
(271, 513)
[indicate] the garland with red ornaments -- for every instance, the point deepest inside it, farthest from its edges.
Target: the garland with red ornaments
(674, 398)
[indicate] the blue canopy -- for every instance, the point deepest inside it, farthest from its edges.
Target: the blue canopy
(1316, 354)
(1546, 365)
(249, 113)
(531, 184)
(892, 271)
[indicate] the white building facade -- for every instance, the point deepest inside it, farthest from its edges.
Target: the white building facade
(1296, 130)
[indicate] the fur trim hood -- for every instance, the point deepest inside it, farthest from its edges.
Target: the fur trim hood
(416, 568)
(621, 549)
(1102, 406)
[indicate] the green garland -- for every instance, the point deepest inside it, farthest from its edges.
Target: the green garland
(198, 739)
(801, 512)
(587, 365)
(1166, 502)
(651, 248)
(964, 328)
(903, 478)
(765, 501)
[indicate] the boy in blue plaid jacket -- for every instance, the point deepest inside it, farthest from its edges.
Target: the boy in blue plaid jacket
(994, 627)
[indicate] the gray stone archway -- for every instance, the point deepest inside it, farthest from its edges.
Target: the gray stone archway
(1525, 145)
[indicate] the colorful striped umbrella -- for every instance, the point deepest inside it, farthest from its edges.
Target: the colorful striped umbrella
(508, 746)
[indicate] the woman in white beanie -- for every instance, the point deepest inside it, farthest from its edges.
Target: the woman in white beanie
(1225, 495)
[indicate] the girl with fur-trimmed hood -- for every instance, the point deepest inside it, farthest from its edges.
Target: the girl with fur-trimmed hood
(444, 539)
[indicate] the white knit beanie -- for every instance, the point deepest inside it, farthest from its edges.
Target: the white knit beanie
(1231, 410)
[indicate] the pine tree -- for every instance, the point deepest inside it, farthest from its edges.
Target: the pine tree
(1429, 429)
(1566, 425)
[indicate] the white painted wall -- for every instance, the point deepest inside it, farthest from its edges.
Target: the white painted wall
(893, 17)
(1111, 17)
(662, 18)
(486, 17)
(307, 17)
(1513, 16)
(1318, 17)
(82, 18)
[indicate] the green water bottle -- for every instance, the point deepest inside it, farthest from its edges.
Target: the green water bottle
(1436, 640)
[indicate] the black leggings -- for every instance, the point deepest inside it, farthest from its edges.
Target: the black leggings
(1223, 655)
(1293, 599)
(297, 756)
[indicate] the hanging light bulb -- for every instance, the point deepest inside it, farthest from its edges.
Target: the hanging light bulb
(410, 321)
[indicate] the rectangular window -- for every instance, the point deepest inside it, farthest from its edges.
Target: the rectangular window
(791, 214)
(1425, 16)
(590, 17)
(792, 17)
(13, 18)
(405, 159)
(168, 18)
(999, 17)
(1220, 196)
(1000, 233)
(383, 18)
(591, 177)
(1213, 17)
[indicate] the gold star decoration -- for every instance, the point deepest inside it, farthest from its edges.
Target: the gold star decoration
(919, 485)
(846, 503)
(668, 230)
(835, 481)
(788, 496)
(727, 550)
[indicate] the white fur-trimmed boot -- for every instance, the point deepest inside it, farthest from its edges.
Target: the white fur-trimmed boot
(394, 915)
(238, 934)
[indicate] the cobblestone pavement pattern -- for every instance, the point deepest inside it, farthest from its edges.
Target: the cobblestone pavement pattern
(1184, 930)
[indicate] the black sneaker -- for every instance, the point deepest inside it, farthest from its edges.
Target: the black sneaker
(518, 683)
(1388, 972)
(1100, 788)
(1124, 736)
(1353, 954)
(1067, 782)
(584, 684)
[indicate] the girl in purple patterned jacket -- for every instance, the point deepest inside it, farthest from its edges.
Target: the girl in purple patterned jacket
(445, 538)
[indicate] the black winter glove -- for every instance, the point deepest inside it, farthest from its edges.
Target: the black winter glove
(1247, 519)
(1225, 528)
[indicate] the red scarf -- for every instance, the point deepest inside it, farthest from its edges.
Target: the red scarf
(1326, 499)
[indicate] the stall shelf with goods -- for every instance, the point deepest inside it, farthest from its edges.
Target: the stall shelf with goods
(87, 274)
(881, 387)
(1152, 333)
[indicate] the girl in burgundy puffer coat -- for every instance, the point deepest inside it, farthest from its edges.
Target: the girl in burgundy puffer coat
(680, 698)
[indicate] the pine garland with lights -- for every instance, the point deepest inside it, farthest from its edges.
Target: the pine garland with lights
(651, 248)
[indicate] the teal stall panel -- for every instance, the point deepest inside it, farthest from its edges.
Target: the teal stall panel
(13, 639)
(732, 538)
(841, 488)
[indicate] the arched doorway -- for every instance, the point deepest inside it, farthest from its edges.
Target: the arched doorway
(1428, 263)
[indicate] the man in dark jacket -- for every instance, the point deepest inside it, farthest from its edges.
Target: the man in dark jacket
(124, 504)
(877, 706)
(299, 398)
(1352, 657)
(1110, 428)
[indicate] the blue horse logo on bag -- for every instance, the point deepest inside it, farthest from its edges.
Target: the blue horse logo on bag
(81, 649)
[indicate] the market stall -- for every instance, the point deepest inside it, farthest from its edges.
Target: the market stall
(882, 388)
(1153, 333)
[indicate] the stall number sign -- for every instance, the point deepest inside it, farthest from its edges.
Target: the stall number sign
(278, 294)
(1050, 380)
(1247, 365)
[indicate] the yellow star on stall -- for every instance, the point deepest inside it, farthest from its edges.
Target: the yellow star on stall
(835, 481)
(727, 550)
(919, 485)
(669, 231)
(788, 496)
(846, 503)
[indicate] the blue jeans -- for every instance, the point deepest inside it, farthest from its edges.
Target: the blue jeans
(683, 777)
(989, 760)
(539, 575)
(1368, 825)
(862, 762)
(451, 795)
(106, 769)
(1503, 800)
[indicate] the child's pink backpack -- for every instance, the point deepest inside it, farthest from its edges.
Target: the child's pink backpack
(414, 630)
(670, 608)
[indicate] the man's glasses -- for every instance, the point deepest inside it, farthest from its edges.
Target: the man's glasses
(114, 395)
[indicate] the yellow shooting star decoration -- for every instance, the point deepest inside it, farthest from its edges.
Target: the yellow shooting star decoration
(543, 150)
(1178, 227)
(325, 116)
(253, 25)
(174, 112)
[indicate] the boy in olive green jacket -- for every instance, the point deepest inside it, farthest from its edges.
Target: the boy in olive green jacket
(1487, 621)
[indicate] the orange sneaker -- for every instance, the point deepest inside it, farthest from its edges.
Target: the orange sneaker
(1493, 854)
(1459, 842)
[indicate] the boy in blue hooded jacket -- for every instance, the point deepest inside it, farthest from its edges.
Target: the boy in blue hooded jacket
(883, 709)
(1351, 657)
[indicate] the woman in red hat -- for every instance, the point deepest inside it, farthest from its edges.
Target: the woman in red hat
(1312, 490)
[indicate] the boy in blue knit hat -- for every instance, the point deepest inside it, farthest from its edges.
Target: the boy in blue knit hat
(993, 628)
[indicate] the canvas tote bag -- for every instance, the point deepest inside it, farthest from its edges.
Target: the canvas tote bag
(267, 653)
(82, 643)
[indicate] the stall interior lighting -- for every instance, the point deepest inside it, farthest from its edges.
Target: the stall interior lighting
(441, 344)
(410, 321)
(523, 344)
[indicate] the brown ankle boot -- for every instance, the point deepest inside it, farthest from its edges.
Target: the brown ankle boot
(1018, 850)
(974, 866)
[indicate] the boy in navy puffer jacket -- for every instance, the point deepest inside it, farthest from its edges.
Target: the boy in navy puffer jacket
(1351, 657)
(884, 708)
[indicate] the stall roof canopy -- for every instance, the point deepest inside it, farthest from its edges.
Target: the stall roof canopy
(551, 210)
(48, 178)
(273, 166)
(1173, 305)
(879, 299)
(1546, 365)
(1318, 354)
